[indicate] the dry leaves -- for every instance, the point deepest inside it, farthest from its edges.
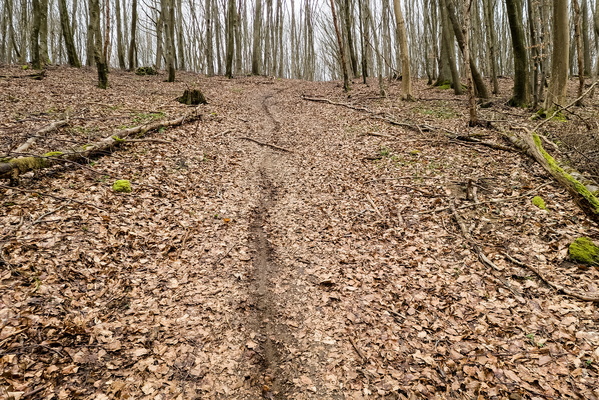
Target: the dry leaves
(368, 294)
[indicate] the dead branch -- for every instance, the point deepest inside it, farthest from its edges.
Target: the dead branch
(266, 144)
(492, 201)
(421, 128)
(12, 168)
(42, 131)
(556, 286)
(481, 255)
(36, 76)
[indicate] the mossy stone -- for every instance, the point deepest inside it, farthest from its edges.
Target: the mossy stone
(122, 186)
(539, 202)
(585, 251)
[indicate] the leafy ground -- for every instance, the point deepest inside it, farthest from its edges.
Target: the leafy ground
(318, 260)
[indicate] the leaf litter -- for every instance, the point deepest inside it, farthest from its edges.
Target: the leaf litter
(236, 270)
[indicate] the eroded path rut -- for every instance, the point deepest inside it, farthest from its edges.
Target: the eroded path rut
(236, 270)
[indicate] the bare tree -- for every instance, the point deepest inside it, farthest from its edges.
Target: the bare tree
(340, 44)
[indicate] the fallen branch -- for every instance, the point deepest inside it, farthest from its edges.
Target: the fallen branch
(481, 255)
(266, 144)
(36, 76)
(492, 201)
(45, 130)
(14, 167)
(556, 286)
(579, 187)
(421, 128)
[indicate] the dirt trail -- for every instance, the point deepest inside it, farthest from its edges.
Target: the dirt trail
(238, 271)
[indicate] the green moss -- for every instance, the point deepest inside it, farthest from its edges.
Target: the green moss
(585, 251)
(579, 187)
(53, 154)
(445, 86)
(122, 186)
(414, 152)
(25, 164)
(118, 139)
(539, 202)
(87, 146)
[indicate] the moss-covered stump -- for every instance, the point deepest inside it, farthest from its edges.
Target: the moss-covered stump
(122, 186)
(145, 71)
(192, 97)
(583, 250)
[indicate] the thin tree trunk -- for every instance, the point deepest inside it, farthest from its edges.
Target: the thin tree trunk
(181, 65)
(585, 38)
(119, 35)
(133, 43)
(579, 55)
(448, 42)
(492, 42)
(24, 29)
(467, 63)
(230, 38)
(350, 40)
(168, 14)
(481, 88)
(209, 39)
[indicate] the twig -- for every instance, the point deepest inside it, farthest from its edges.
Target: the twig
(266, 144)
(358, 351)
(148, 140)
(52, 196)
(560, 108)
(481, 255)
(37, 221)
(556, 286)
(374, 206)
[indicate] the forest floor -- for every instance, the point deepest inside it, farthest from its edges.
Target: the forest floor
(318, 260)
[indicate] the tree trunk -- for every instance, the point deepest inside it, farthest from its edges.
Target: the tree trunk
(120, 50)
(99, 57)
(209, 39)
(585, 38)
(447, 38)
(133, 43)
(467, 63)
(24, 29)
(168, 14)
(579, 55)
(34, 47)
(406, 78)
(492, 42)
(257, 39)
(180, 36)
(68, 35)
(43, 36)
(341, 52)
(521, 97)
(348, 25)
(230, 38)
(556, 92)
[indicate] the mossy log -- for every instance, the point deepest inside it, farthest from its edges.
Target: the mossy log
(583, 190)
(12, 168)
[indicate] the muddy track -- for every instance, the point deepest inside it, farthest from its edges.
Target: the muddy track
(272, 336)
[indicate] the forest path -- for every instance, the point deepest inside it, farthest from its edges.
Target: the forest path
(237, 270)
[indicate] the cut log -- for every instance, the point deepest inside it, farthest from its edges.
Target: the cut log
(583, 190)
(12, 168)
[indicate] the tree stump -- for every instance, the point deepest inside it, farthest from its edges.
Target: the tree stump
(192, 97)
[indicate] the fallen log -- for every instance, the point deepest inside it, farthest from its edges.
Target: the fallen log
(42, 131)
(12, 168)
(583, 190)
